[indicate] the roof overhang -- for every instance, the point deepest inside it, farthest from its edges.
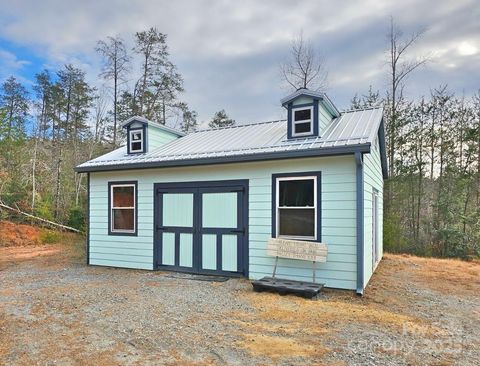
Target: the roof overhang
(144, 121)
(321, 152)
(313, 94)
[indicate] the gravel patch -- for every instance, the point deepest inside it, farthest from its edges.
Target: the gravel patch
(58, 311)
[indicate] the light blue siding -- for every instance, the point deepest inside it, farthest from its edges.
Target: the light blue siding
(324, 118)
(373, 179)
(338, 214)
(158, 137)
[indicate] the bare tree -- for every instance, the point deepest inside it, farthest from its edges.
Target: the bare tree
(400, 66)
(305, 67)
(116, 66)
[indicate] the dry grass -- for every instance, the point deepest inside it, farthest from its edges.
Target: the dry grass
(284, 326)
(387, 305)
(278, 347)
(443, 275)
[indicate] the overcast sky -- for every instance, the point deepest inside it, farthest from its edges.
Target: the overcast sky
(229, 51)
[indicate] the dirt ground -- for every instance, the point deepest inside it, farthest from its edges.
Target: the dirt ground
(55, 310)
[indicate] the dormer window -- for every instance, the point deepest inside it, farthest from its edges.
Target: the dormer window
(302, 121)
(136, 141)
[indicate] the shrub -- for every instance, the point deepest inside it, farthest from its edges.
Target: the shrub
(76, 218)
(50, 237)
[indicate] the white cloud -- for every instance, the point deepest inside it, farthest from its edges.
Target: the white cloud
(228, 51)
(466, 48)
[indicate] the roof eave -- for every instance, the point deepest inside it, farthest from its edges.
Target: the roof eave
(317, 95)
(321, 152)
(145, 121)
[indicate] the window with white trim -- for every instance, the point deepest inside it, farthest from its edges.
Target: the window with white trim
(136, 140)
(302, 121)
(296, 207)
(123, 208)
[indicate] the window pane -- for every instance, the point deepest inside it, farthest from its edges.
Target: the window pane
(296, 192)
(297, 221)
(123, 196)
(136, 146)
(302, 127)
(123, 219)
(302, 114)
(136, 136)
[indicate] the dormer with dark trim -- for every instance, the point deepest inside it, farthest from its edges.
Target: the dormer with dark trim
(144, 135)
(308, 113)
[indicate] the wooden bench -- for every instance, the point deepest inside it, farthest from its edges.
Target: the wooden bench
(293, 249)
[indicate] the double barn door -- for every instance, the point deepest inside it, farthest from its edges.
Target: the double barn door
(200, 227)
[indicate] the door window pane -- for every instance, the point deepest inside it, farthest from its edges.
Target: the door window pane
(229, 252)
(186, 250)
(178, 209)
(209, 251)
(168, 249)
(219, 210)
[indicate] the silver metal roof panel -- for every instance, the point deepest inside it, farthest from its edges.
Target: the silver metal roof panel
(350, 129)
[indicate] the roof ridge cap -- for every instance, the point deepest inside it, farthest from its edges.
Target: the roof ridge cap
(237, 126)
(362, 109)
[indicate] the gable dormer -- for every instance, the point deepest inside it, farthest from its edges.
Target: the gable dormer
(308, 113)
(144, 135)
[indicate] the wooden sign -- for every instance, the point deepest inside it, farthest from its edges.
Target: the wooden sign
(297, 249)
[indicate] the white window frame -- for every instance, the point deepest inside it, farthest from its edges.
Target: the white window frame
(302, 121)
(278, 207)
(131, 141)
(134, 207)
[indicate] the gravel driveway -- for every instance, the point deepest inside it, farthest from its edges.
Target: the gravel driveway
(54, 310)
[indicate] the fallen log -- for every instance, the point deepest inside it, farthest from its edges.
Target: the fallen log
(48, 222)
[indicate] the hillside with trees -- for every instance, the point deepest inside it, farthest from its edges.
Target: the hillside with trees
(64, 121)
(432, 197)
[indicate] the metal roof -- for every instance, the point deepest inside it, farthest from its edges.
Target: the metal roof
(260, 141)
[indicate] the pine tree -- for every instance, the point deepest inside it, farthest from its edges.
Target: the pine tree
(157, 89)
(14, 101)
(115, 69)
(369, 100)
(221, 119)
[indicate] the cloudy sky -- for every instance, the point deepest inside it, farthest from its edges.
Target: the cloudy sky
(229, 51)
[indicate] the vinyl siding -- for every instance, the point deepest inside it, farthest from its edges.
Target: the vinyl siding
(324, 118)
(338, 214)
(158, 137)
(373, 178)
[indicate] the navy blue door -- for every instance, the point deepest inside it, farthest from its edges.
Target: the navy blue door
(201, 227)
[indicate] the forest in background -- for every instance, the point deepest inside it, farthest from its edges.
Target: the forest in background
(431, 199)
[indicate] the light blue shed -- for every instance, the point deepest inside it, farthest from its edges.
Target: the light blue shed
(207, 202)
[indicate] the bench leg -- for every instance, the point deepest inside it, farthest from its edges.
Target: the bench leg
(313, 270)
(275, 267)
